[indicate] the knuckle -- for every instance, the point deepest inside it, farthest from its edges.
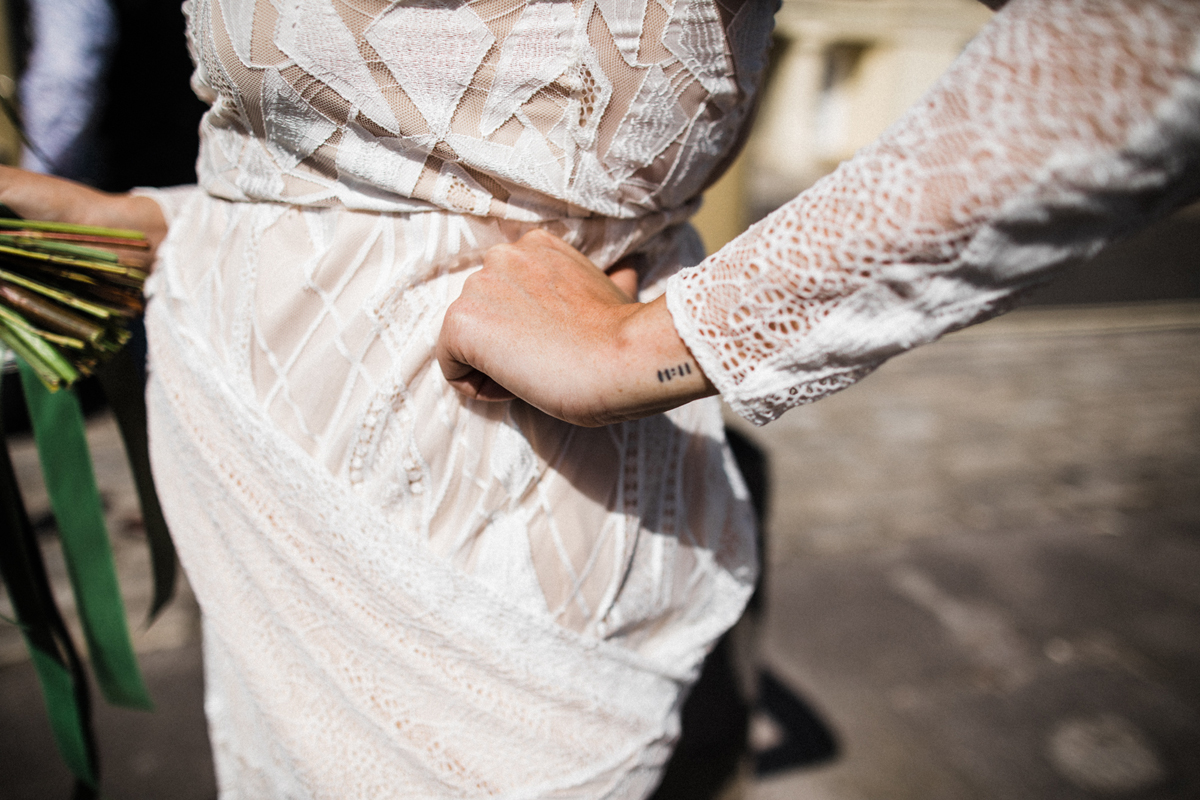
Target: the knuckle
(498, 257)
(458, 319)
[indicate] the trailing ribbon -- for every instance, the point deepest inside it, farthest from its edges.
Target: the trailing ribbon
(59, 668)
(67, 466)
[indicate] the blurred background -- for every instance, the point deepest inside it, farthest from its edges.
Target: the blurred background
(983, 561)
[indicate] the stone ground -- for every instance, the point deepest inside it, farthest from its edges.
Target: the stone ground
(985, 564)
(984, 582)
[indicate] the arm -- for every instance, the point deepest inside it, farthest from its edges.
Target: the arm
(1064, 124)
(541, 322)
(44, 197)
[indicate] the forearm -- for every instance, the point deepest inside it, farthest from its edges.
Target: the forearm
(44, 197)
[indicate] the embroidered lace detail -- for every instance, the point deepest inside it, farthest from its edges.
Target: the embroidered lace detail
(1062, 124)
(522, 110)
(396, 581)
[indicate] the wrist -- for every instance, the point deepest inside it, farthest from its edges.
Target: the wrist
(650, 366)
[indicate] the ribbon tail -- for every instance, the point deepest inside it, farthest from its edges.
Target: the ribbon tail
(67, 466)
(58, 666)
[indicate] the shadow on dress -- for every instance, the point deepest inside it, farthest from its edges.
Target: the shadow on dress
(714, 759)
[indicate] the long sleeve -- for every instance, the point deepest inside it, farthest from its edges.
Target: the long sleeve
(1064, 124)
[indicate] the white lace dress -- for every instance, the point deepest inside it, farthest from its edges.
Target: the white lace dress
(410, 595)
(406, 594)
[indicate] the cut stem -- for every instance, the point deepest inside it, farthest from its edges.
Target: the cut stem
(67, 227)
(50, 315)
(54, 294)
(81, 238)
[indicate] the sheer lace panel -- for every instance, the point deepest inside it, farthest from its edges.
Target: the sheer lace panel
(325, 320)
(601, 119)
(524, 110)
(1063, 123)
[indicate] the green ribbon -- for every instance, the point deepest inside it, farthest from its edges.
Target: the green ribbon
(67, 467)
(66, 714)
(58, 666)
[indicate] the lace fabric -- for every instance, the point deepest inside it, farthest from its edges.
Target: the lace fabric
(324, 320)
(306, 448)
(407, 594)
(1063, 124)
(410, 595)
(345, 659)
(523, 110)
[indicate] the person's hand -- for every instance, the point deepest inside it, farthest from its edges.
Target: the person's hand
(541, 322)
(51, 199)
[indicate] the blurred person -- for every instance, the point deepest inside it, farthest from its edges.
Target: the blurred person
(104, 93)
(62, 88)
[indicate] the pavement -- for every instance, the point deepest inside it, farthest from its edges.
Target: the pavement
(983, 582)
(984, 565)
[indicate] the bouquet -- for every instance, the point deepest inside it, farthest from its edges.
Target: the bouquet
(67, 294)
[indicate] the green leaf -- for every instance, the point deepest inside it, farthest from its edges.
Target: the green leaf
(51, 368)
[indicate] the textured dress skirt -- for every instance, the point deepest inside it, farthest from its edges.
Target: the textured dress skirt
(406, 593)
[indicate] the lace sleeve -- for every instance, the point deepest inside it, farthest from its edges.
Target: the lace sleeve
(1064, 124)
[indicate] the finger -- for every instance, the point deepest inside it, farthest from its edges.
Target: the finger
(627, 273)
(626, 279)
(538, 239)
(491, 391)
(462, 376)
(478, 386)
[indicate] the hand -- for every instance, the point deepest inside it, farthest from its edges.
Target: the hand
(44, 197)
(541, 322)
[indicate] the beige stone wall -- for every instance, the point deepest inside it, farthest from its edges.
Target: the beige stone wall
(844, 71)
(10, 143)
(848, 69)
(725, 212)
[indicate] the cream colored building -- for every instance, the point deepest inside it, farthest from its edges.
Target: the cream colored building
(10, 143)
(842, 71)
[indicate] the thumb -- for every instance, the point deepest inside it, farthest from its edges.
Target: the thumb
(456, 367)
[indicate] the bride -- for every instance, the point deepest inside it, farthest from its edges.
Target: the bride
(410, 591)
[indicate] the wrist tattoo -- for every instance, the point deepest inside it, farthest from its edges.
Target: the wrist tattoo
(667, 374)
